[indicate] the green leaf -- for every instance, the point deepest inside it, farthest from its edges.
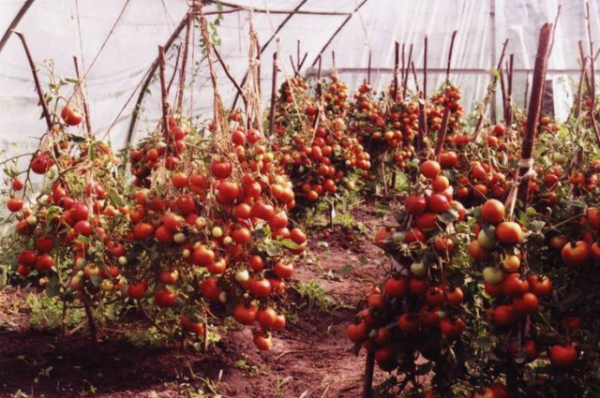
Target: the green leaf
(484, 343)
(116, 199)
(536, 226)
(346, 269)
(96, 280)
(53, 286)
(289, 244)
(577, 203)
(274, 250)
(83, 239)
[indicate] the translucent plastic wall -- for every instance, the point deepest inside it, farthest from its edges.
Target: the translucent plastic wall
(116, 41)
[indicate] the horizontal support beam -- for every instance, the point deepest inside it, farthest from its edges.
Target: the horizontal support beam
(438, 71)
(265, 11)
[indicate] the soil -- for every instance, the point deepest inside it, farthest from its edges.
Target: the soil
(310, 358)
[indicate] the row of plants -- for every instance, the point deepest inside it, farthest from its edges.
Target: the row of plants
(494, 254)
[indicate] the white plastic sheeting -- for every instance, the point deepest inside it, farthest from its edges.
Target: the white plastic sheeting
(116, 60)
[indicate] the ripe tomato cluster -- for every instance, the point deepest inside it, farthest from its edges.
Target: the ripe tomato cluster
(213, 230)
(448, 97)
(69, 237)
(202, 228)
(314, 145)
(418, 310)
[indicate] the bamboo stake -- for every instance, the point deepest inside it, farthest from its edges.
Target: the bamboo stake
(36, 79)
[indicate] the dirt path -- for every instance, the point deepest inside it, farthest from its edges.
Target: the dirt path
(311, 359)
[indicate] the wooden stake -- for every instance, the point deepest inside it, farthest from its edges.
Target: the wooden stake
(258, 68)
(509, 113)
(425, 70)
(186, 47)
(495, 77)
(302, 62)
(294, 69)
(333, 60)
(396, 66)
(535, 108)
(580, 88)
(369, 370)
(298, 56)
(450, 56)
(36, 79)
(319, 89)
(408, 66)
(583, 56)
(164, 93)
(422, 125)
(273, 96)
(592, 88)
(369, 68)
(403, 65)
(442, 134)
(229, 76)
(84, 100)
(414, 72)
(526, 91)
(91, 323)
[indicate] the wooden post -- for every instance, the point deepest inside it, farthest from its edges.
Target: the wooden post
(273, 96)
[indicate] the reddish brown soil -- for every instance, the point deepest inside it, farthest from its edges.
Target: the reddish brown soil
(311, 358)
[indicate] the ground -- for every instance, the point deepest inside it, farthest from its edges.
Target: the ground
(311, 358)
